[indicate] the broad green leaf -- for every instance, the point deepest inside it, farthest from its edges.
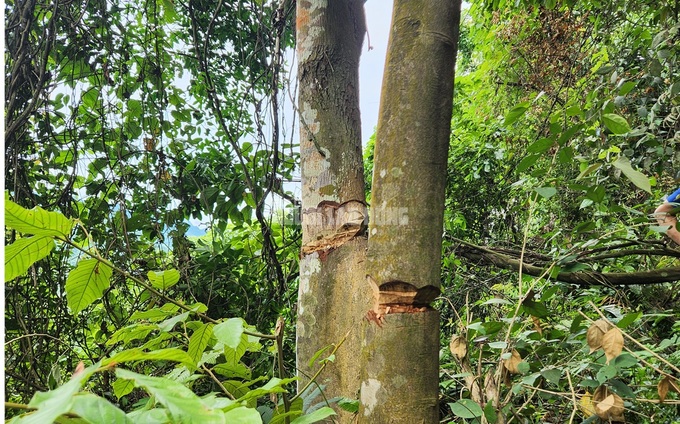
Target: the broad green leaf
(86, 284)
(620, 388)
(315, 416)
(626, 87)
(490, 413)
(541, 145)
(233, 370)
(131, 332)
(537, 309)
(466, 408)
(552, 375)
(569, 133)
(57, 402)
(170, 323)
(20, 255)
(155, 314)
(546, 192)
(243, 415)
(275, 385)
(589, 170)
(615, 123)
(122, 387)
(349, 405)
(36, 221)
(169, 354)
(232, 356)
(182, 404)
(515, 113)
(95, 409)
(163, 279)
(151, 416)
(496, 301)
(229, 332)
(199, 341)
(527, 162)
(628, 319)
(636, 177)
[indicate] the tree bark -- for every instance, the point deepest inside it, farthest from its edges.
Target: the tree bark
(400, 350)
(333, 295)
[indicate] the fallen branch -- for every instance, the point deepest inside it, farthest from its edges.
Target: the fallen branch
(486, 256)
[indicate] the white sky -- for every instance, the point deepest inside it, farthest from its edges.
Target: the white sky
(378, 18)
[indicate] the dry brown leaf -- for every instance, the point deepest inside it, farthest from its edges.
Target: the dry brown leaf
(662, 388)
(512, 362)
(537, 325)
(595, 332)
(586, 405)
(665, 385)
(610, 408)
(600, 393)
(458, 346)
(612, 343)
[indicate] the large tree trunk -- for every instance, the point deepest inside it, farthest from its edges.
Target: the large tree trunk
(401, 347)
(333, 295)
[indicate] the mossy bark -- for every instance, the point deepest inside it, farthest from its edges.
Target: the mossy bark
(333, 296)
(400, 351)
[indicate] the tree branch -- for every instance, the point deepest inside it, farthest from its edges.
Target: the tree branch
(486, 256)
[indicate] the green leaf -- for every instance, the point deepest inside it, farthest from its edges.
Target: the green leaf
(546, 192)
(169, 354)
(552, 375)
(515, 113)
(275, 385)
(628, 319)
(199, 341)
(615, 123)
(229, 332)
(636, 177)
(490, 413)
(541, 145)
(50, 405)
(537, 309)
(242, 415)
(626, 87)
(86, 284)
(130, 333)
(605, 373)
(589, 170)
(466, 408)
(20, 255)
(626, 360)
(170, 323)
(182, 404)
(36, 221)
(122, 387)
(621, 389)
(95, 409)
(155, 314)
(349, 405)
(527, 162)
(163, 279)
(315, 416)
(155, 416)
(316, 355)
(233, 369)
